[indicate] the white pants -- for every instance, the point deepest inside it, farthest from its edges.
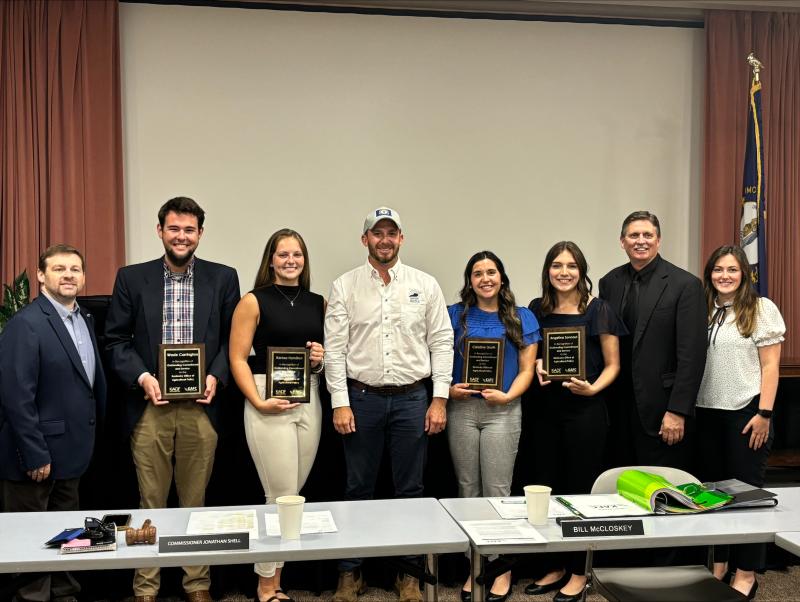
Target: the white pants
(283, 447)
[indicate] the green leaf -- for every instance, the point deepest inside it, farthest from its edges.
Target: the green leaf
(8, 296)
(15, 297)
(5, 316)
(22, 288)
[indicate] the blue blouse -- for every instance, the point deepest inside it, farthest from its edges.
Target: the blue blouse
(487, 325)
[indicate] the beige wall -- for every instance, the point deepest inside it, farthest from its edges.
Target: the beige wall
(505, 135)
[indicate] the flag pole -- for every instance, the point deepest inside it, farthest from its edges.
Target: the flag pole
(752, 230)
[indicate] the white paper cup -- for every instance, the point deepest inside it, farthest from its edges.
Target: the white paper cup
(537, 502)
(290, 515)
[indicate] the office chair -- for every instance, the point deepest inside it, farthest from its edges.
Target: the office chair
(694, 583)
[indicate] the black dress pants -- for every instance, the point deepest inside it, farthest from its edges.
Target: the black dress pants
(30, 496)
(724, 453)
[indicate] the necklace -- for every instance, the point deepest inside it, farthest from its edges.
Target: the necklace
(293, 299)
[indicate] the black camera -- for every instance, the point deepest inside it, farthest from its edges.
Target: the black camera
(98, 532)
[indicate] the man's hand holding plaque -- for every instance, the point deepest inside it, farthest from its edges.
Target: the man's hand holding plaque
(182, 374)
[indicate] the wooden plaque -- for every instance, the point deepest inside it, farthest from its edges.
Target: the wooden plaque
(483, 363)
(564, 352)
(182, 370)
(288, 370)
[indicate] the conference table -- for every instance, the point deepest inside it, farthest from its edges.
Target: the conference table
(364, 529)
(789, 540)
(754, 525)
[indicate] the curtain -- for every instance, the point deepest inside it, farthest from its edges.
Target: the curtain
(60, 119)
(775, 39)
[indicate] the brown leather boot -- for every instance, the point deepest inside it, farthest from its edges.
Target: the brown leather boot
(351, 584)
(408, 589)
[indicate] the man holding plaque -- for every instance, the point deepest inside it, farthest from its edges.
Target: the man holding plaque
(169, 324)
(386, 330)
(662, 360)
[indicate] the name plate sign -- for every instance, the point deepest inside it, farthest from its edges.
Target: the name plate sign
(170, 544)
(182, 371)
(483, 363)
(620, 527)
(288, 370)
(564, 352)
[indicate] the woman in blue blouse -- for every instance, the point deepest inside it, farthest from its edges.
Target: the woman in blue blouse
(483, 427)
(572, 418)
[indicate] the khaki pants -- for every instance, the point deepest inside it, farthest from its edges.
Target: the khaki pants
(283, 447)
(180, 429)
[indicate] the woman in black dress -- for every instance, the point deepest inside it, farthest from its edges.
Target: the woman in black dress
(572, 421)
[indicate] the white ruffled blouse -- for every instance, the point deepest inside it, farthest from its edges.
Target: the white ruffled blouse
(733, 371)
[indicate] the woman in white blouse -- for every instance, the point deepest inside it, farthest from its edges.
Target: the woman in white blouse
(734, 405)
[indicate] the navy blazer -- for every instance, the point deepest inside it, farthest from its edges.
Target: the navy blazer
(48, 408)
(133, 325)
(669, 345)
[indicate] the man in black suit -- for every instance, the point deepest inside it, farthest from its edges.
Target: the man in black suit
(177, 298)
(52, 395)
(664, 356)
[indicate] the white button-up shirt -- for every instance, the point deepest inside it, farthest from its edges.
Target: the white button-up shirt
(387, 334)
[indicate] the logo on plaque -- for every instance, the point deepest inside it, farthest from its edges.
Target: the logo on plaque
(288, 370)
(483, 363)
(182, 370)
(564, 352)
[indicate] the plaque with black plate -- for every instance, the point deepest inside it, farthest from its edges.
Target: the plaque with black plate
(564, 352)
(288, 370)
(483, 363)
(182, 370)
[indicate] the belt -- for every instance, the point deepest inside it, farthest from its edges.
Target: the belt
(386, 389)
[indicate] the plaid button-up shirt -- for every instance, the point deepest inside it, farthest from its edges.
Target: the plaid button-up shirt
(177, 325)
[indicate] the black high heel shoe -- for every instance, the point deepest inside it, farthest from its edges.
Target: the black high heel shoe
(753, 589)
(534, 589)
(466, 596)
(490, 597)
(562, 597)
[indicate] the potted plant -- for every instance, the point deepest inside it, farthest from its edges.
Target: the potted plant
(15, 297)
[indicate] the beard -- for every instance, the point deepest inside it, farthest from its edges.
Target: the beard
(385, 260)
(179, 261)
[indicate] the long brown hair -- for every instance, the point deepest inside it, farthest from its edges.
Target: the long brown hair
(266, 273)
(584, 282)
(506, 304)
(745, 301)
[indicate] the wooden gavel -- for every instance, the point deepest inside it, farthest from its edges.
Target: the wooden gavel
(147, 534)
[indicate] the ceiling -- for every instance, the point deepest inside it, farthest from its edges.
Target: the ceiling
(680, 10)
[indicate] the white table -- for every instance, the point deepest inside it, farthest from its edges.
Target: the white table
(365, 529)
(758, 525)
(789, 540)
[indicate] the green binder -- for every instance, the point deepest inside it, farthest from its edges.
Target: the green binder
(654, 493)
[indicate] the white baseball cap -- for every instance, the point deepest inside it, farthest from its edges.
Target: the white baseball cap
(381, 213)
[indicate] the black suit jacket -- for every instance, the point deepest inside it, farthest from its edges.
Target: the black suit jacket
(49, 410)
(669, 345)
(133, 324)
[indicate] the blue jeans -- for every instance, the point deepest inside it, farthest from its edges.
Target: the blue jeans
(393, 421)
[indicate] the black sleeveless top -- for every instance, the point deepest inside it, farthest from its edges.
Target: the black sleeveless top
(282, 324)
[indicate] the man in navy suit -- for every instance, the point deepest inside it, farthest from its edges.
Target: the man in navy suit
(663, 359)
(177, 298)
(52, 395)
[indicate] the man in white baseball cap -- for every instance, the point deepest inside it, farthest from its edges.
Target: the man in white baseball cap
(386, 331)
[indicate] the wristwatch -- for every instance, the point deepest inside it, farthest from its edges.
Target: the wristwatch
(764, 413)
